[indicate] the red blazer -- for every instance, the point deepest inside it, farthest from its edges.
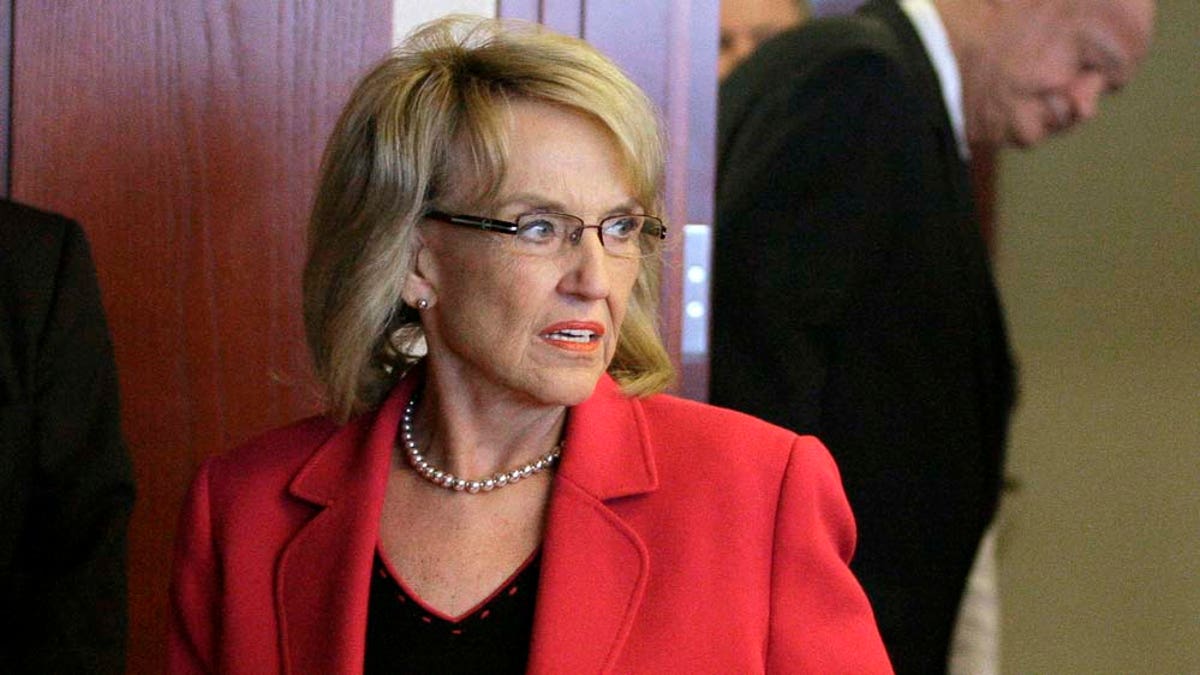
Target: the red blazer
(680, 538)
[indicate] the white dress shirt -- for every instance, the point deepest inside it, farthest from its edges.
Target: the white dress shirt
(932, 31)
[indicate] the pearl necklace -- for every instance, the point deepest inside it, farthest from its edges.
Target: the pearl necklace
(451, 482)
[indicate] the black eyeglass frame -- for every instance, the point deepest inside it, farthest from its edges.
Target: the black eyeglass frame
(509, 227)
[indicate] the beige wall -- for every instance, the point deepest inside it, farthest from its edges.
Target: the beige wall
(1099, 266)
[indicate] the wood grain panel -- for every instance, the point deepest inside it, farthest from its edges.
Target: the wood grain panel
(184, 136)
(5, 91)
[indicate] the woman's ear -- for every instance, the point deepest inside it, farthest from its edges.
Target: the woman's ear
(420, 286)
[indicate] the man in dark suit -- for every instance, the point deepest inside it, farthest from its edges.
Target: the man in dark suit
(852, 293)
(66, 486)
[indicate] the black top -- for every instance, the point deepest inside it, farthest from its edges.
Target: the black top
(405, 636)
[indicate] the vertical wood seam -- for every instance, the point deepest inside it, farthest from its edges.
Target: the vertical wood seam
(6, 99)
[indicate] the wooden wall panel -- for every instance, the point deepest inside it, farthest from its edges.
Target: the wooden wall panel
(184, 135)
(5, 90)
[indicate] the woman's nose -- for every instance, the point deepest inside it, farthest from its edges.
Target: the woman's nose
(587, 265)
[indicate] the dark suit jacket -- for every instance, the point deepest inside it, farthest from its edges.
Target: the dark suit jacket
(680, 538)
(66, 486)
(852, 298)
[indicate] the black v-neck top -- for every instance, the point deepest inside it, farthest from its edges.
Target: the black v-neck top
(406, 636)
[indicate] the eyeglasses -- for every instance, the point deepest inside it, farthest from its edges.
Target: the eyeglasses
(547, 234)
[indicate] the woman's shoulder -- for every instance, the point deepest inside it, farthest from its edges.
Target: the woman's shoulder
(710, 452)
(280, 451)
(679, 421)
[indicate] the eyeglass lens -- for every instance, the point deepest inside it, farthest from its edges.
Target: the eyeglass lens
(548, 233)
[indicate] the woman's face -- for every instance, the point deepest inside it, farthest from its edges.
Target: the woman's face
(504, 324)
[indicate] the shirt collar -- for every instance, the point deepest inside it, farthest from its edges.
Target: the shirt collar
(932, 31)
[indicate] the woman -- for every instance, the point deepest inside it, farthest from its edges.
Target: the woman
(518, 497)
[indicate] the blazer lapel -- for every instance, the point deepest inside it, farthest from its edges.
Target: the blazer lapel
(594, 565)
(323, 582)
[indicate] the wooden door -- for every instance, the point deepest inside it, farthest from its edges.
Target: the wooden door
(184, 135)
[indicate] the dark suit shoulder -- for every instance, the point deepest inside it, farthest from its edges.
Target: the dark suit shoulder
(809, 50)
(825, 86)
(48, 290)
(837, 37)
(15, 216)
(34, 245)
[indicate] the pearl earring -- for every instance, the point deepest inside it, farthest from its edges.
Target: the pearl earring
(422, 304)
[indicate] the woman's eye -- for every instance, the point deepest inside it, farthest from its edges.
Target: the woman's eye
(622, 226)
(537, 231)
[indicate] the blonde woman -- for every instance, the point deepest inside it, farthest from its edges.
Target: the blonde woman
(498, 485)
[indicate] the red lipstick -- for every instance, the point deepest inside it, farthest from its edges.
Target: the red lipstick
(574, 336)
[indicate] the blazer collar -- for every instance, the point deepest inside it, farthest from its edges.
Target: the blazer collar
(608, 452)
(324, 575)
(594, 564)
(359, 450)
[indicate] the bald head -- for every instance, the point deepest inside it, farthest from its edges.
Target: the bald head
(1034, 68)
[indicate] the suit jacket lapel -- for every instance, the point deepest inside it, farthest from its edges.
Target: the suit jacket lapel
(995, 368)
(324, 575)
(594, 565)
(923, 75)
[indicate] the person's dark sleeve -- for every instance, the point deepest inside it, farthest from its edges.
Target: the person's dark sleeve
(806, 210)
(74, 615)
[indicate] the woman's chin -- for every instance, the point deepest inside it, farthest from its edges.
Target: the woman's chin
(566, 389)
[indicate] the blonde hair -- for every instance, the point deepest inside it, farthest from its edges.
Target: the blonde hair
(388, 160)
